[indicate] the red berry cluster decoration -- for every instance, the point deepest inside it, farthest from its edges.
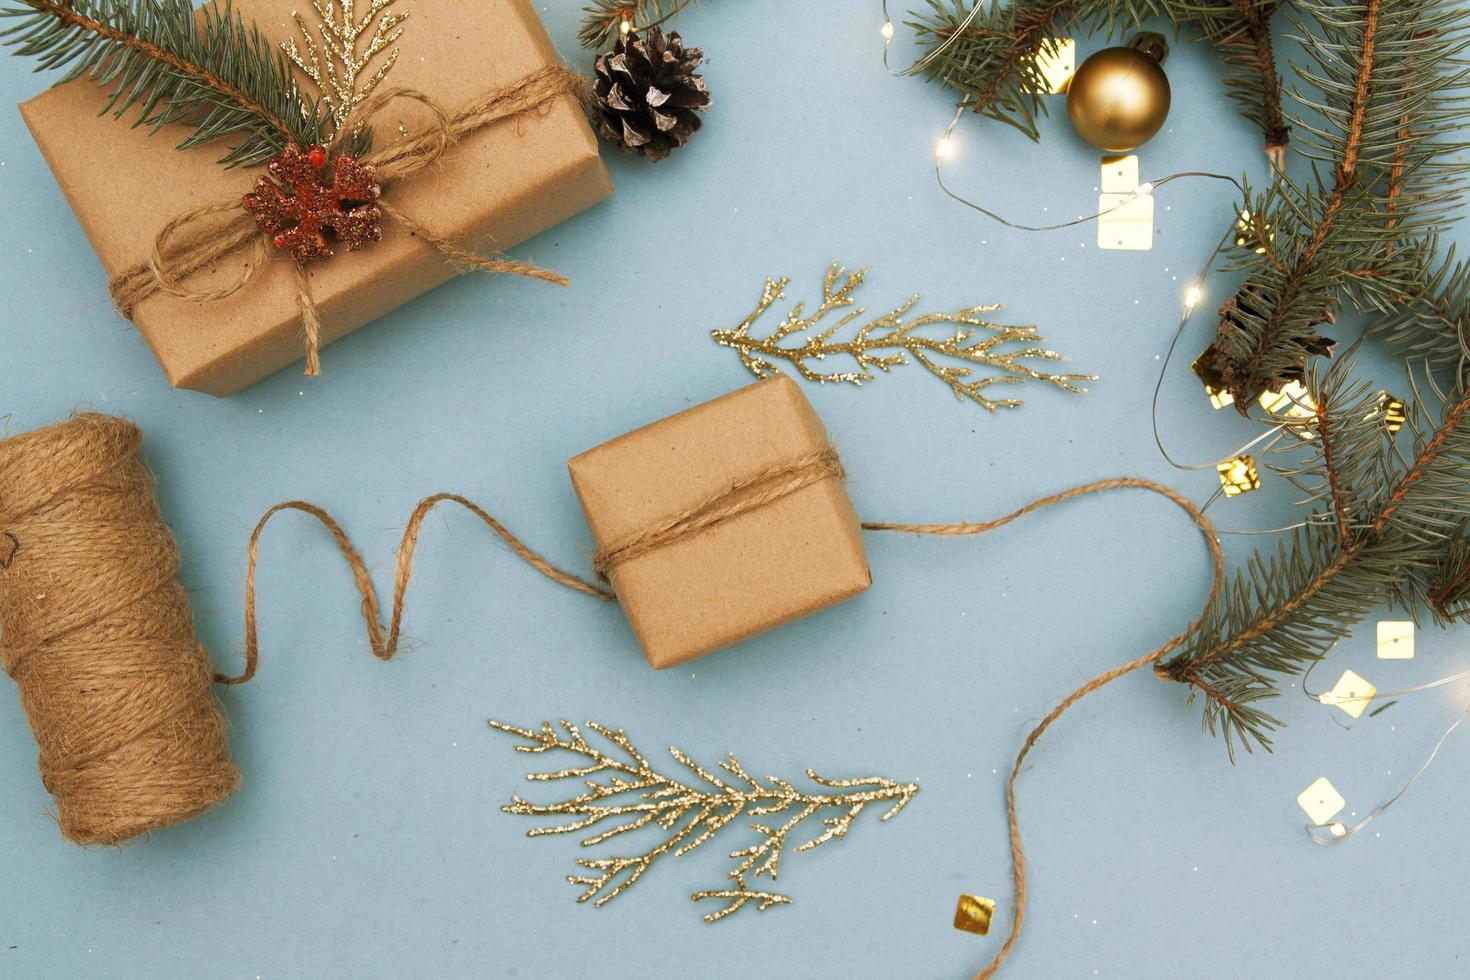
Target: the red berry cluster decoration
(298, 210)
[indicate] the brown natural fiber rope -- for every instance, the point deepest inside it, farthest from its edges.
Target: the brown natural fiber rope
(190, 242)
(311, 321)
(468, 260)
(95, 629)
(384, 646)
(743, 496)
(1217, 557)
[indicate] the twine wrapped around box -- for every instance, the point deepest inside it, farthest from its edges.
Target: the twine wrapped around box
(195, 240)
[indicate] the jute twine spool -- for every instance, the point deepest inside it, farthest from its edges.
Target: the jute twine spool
(96, 631)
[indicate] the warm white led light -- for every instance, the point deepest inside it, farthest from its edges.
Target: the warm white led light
(888, 30)
(944, 147)
(625, 26)
(1193, 296)
(1144, 189)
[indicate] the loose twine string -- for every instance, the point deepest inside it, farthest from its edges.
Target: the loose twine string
(1217, 559)
(96, 630)
(198, 238)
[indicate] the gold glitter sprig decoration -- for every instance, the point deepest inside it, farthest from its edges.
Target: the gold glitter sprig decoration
(338, 61)
(890, 340)
(631, 794)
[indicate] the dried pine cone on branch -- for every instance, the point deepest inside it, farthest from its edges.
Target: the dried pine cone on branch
(647, 97)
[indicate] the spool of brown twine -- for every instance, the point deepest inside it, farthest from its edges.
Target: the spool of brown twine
(96, 631)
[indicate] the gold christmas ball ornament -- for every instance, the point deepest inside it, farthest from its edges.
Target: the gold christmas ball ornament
(1119, 97)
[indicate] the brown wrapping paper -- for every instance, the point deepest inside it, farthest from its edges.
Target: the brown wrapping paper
(761, 569)
(492, 190)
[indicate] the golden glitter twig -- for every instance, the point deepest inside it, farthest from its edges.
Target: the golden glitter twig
(337, 60)
(631, 794)
(890, 340)
(739, 895)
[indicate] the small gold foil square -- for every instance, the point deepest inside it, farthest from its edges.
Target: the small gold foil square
(1238, 476)
(1321, 801)
(1293, 403)
(973, 914)
(1056, 59)
(1395, 640)
(1395, 412)
(1293, 400)
(1352, 693)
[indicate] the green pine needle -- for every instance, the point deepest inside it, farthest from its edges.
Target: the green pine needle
(206, 70)
(1381, 528)
(602, 19)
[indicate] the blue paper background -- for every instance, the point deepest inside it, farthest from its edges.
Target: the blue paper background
(367, 839)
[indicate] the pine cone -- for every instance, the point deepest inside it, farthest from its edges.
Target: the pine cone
(648, 97)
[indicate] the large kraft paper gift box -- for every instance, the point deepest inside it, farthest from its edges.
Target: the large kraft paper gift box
(491, 190)
(705, 590)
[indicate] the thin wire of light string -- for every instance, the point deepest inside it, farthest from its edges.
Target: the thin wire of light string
(1270, 437)
(933, 53)
(1335, 833)
(1146, 188)
(1273, 434)
(1189, 309)
(1332, 834)
(1380, 695)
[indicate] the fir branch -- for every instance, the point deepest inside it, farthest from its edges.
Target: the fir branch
(1263, 345)
(208, 72)
(890, 340)
(1241, 32)
(991, 60)
(1386, 89)
(602, 20)
(1431, 316)
(1449, 591)
(1384, 539)
(624, 790)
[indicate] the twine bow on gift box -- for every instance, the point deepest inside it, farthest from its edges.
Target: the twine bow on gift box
(196, 239)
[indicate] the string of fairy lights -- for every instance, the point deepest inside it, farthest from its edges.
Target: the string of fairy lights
(1289, 411)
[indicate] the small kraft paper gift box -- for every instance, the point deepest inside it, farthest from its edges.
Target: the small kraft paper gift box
(489, 189)
(723, 521)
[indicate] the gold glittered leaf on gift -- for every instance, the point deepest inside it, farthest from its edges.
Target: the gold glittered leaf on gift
(339, 56)
(968, 344)
(624, 794)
